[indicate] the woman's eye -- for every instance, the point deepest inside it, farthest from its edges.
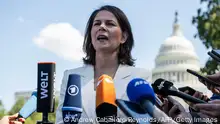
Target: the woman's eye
(111, 24)
(96, 23)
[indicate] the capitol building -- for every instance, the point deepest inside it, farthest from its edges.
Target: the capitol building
(176, 54)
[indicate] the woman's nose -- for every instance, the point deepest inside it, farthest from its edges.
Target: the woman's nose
(102, 27)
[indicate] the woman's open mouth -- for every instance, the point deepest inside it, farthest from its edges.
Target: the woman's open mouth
(102, 38)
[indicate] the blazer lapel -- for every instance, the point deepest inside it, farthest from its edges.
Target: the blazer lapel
(88, 93)
(87, 73)
(122, 72)
(121, 80)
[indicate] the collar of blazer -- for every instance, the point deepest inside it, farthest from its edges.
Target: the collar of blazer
(122, 72)
(89, 95)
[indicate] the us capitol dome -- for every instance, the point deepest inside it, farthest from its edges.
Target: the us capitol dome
(177, 54)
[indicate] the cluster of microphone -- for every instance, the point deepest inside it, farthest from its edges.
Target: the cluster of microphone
(141, 105)
(43, 99)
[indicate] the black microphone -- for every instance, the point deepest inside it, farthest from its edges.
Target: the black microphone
(72, 106)
(165, 88)
(45, 90)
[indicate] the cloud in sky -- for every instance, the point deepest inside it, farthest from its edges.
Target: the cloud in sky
(20, 19)
(61, 39)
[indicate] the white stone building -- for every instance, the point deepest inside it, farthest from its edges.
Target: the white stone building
(177, 54)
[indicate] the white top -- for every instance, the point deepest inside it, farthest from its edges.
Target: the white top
(122, 77)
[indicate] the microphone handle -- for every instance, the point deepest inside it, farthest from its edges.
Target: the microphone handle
(188, 97)
(156, 113)
(147, 106)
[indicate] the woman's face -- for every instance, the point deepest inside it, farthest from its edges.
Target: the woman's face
(106, 33)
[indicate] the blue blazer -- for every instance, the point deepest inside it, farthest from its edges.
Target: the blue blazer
(123, 75)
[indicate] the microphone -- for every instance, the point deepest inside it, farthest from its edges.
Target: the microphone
(140, 91)
(165, 88)
(45, 90)
(29, 107)
(133, 111)
(106, 108)
(72, 106)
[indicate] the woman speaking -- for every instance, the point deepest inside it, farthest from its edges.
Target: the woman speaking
(108, 42)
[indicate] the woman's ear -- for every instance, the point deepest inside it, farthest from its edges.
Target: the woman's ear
(124, 37)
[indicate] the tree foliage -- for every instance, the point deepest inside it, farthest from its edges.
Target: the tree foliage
(17, 106)
(2, 109)
(34, 117)
(207, 23)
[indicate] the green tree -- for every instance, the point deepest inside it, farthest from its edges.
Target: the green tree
(35, 116)
(2, 109)
(52, 116)
(38, 116)
(17, 106)
(207, 23)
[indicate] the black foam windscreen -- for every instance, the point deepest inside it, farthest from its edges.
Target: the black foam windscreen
(161, 86)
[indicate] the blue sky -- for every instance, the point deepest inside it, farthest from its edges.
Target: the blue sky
(62, 22)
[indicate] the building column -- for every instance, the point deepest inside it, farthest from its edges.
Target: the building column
(162, 75)
(181, 78)
(185, 76)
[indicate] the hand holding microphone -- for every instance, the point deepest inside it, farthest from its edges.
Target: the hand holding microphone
(12, 119)
(211, 109)
(212, 82)
(174, 109)
(194, 93)
(214, 88)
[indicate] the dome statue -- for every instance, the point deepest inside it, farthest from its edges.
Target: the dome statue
(175, 56)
